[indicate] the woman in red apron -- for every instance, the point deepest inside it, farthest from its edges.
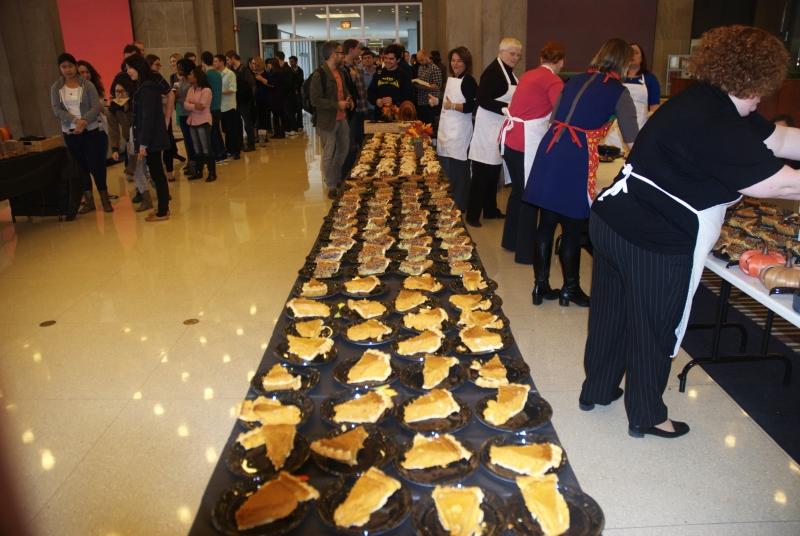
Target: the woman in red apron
(654, 227)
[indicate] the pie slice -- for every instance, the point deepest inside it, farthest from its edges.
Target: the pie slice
(434, 451)
(305, 308)
(491, 374)
(408, 299)
(415, 267)
(268, 411)
(373, 366)
(479, 339)
(424, 282)
(425, 318)
(313, 288)
(373, 265)
(362, 285)
(426, 342)
(472, 279)
(545, 503)
(460, 267)
(534, 459)
(511, 400)
(279, 439)
(367, 309)
(484, 319)
(274, 500)
(369, 494)
(459, 252)
(309, 328)
(435, 369)
(325, 268)
(470, 302)
(367, 408)
(459, 509)
(280, 379)
(308, 348)
(343, 447)
(438, 404)
(371, 329)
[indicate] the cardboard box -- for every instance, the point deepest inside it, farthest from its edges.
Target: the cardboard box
(46, 144)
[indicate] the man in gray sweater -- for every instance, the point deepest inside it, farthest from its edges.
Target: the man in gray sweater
(331, 100)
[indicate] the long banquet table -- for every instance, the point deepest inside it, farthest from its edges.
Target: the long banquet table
(474, 434)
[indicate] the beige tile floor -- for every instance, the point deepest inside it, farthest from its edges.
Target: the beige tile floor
(117, 413)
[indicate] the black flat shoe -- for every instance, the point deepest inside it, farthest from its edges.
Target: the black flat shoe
(474, 223)
(589, 406)
(681, 428)
(494, 216)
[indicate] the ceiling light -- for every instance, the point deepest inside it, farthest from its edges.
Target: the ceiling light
(339, 16)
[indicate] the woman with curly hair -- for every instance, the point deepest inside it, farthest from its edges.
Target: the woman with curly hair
(654, 227)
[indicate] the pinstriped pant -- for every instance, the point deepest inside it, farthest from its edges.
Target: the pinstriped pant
(638, 298)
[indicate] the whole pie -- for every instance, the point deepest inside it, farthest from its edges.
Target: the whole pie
(280, 379)
(371, 329)
(274, 500)
(425, 318)
(434, 451)
(545, 503)
(308, 348)
(367, 308)
(491, 374)
(408, 299)
(268, 411)
(472, 279)
(369, 494)
(479, 339)
(533, 459)
(362, 285)
(367, 408)
(343, 447)
(435, 369)
(278, 438)
(470, 302)
(313, 288)
(372, 366)
(459, 509)
(305, 308)
(426, 342)
(484, 319)
(424, 282)
(437, 404)
(511, 399)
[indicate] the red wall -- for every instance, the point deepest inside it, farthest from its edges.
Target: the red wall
(97, 31)
(583, 25)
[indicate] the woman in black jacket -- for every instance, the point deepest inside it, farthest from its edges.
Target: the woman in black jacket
(150, 137)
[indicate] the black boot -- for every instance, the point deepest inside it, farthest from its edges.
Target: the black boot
(542, 255)
(570, 267)
(212, 170)
(198, 169)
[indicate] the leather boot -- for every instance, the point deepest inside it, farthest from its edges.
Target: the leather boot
(147, 202)
(212, 170)
(136, 197)
(542, 256)
(198, 169)
(106, 201)
(570, 267)
(88, 203)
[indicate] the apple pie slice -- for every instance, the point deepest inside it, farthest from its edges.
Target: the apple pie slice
(479, 339)
(373, 366)
(369, 494)
(434, 451)
(491, 374)
(533, 459)
(367, 408)
(343, 447)
(545, 503)
(274, 500)
(280, 379)
(368, 330)
(435, 369)
(437, 404)
(511, 399)
(459, 509)
(305, 308)
(279, 439)
(268, 411)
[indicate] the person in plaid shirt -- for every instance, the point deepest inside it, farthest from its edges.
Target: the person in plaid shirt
(430, 73)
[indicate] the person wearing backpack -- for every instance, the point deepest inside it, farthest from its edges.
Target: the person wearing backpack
(331, 100)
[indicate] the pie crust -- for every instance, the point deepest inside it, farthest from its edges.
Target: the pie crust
(491, 374)
(373, 366)
(437, 404)
(459, 509)
(307, 348)
(415, 267)
(545, 503)
(534, 459)
(314, 288)
(305, 308)
(425, 318)
(426, 342)
(365, 409)
(371, 329)
(473, 280)
(309, 328)
(367, 309)
(434, 451)
(470, 302)
(369, 494)
(268, 411)
(362, 285)
(435, 369)
(279, 439)
(424, 282)
(274, 500)
(280, 379)
(511, 399)
(484, 319)
(408, 299)
(479, 339)
(343, 447)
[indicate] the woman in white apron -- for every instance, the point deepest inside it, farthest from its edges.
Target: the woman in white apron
(527, 120)
(496, 87)
(654, 227)
(455, 123)
(645, 92)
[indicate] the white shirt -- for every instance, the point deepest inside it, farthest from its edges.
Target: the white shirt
(228, 102)
(72, 102)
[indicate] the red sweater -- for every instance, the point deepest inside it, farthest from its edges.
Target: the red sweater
(536, 95)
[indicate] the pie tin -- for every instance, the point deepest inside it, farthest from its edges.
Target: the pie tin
(309, 378)
(282, 352)
(236, 456)
(451, 423)
(411, 377)
(342, 369)
(585, 515)
(521, 438)
(433, 476)
(378, 449)
(305, 404)
(386, 518)
(536, 413)
(426, 518)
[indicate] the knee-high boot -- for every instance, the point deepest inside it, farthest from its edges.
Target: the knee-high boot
(542, 255)
(570, 267)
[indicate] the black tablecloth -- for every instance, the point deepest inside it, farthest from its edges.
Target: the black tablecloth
(475, 433)
(37, 184)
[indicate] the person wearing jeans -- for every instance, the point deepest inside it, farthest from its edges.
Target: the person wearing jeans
(231, 122)
(149, 131)
(181, 87)
(76, 104)
(215, 82)
(198, 104)
(245, 94)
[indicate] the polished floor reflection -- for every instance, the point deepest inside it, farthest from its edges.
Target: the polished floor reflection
(117, 414)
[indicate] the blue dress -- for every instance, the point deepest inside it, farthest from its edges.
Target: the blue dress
(562, 177)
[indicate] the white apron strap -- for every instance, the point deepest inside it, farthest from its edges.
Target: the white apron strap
(508, 124)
